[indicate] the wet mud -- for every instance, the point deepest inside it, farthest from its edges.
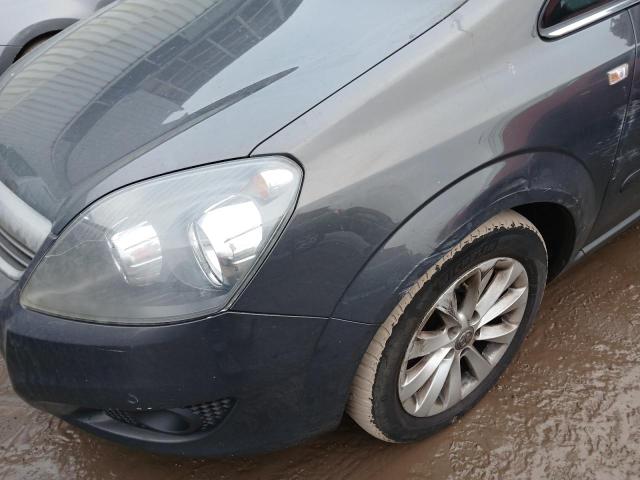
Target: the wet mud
(568, 407)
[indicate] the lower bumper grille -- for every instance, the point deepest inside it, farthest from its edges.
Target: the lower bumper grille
(212, 413)
(123, 416)
(203, 417)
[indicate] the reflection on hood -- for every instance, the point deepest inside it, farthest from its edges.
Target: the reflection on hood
(142, 71)
(107, 89)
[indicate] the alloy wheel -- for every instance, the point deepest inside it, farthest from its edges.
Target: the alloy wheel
(462, 338)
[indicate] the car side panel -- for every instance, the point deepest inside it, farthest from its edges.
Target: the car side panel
(522, 179)
(623, 195)
(479, 86)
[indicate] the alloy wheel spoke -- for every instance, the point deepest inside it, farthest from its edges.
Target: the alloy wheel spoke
(427, 398)
(515, 271)
(502, 333)
(479, 365)
(447, 305)
(453, 387)
(471, 296)
(500, 282)
(419, 375)
(512, 299)
(426, 343)
(487, 275)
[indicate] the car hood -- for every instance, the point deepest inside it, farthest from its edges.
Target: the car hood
(230, 73)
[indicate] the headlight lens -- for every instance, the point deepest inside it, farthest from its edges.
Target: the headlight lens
(168, 249)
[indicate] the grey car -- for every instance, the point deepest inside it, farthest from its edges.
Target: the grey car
(25, 24)
(224, 224)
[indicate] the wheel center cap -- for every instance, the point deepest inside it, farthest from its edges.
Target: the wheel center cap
(464, 339)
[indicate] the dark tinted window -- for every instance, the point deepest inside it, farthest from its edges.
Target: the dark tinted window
(558, 11)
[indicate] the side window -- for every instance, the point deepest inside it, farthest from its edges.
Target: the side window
(558, 11)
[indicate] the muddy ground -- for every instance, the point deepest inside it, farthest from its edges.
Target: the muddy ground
(569, 407)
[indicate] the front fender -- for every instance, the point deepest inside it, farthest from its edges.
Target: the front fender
(525, 178)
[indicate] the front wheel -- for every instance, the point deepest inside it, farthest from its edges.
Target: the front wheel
(453, 334)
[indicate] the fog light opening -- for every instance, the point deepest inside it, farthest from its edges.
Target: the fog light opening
(173, 422)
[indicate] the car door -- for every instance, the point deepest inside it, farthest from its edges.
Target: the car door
(622, 203)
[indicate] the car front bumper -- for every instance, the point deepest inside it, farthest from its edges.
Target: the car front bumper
(258, 382)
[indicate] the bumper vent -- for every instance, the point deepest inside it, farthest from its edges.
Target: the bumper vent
(181, 421)
(212, 413)
(123, 416)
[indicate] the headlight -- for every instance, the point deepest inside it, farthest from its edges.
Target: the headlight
(168, 249)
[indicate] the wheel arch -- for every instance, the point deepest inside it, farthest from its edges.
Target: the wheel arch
(557, 227)
(34, 42)
(39, 31)
(546, 187)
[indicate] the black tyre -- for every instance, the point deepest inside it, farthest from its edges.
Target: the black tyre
(453, 334)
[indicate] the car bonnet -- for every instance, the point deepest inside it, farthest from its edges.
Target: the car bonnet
(126, 80)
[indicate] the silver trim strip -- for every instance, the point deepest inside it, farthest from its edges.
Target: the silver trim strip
(9, 271)
(583, 20)
(23, 224)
